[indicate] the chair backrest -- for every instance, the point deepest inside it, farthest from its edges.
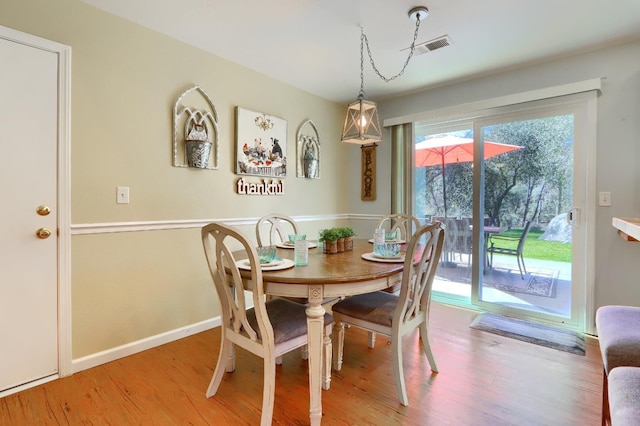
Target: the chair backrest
(220, 242)
(406, 224)
(275, 228)
(421, 260)
(452, 227)
(523, 237)
(464, 235)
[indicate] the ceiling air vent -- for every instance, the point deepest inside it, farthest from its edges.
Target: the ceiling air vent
(431, 45)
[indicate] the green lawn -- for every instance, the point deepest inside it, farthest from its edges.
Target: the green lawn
(535, 248)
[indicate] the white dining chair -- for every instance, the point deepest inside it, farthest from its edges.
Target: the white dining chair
(404, 224)
(269, 329)
(397, 315)
(275, 228)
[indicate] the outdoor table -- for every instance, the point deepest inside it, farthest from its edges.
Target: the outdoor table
(488, 230)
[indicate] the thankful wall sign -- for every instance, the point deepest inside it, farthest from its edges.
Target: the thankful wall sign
(263, 187)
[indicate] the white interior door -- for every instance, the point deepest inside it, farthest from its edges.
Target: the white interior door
(28, 172)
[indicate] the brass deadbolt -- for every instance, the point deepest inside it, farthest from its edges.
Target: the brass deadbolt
(43, 210)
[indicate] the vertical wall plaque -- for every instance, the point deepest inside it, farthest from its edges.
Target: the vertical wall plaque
(368, 172)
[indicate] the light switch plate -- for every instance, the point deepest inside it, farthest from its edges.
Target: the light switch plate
(122, 195)
(605, 199)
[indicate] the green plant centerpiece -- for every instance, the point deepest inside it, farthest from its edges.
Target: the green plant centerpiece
(330, 237)
(347, 234)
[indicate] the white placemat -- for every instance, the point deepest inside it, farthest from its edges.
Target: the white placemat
(391, 241)
(376, 258)
(273, 266)
(288, 245)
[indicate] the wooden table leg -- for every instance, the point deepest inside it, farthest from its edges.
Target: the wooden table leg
(487, 265)
(315, 330)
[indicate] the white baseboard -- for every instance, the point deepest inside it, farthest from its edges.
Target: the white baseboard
(29, 385)
(118, 352)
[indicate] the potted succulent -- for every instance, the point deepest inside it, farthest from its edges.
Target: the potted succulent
(347, 234)
(330, 237)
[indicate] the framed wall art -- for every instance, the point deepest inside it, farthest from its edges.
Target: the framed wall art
(261, 144)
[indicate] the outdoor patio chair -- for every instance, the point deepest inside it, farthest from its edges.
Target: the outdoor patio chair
(462, 236)
(450, 242)
(509, 251)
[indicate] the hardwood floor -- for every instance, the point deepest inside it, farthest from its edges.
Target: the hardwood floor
(484, 379)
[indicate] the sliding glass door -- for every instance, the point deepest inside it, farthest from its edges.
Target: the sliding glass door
(526, 196)
(511, 190)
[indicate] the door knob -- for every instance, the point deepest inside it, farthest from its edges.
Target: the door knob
(43, 233)
(43, 210)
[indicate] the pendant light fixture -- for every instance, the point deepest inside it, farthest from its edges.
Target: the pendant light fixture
(362, 125)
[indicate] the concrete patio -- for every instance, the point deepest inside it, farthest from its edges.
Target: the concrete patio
(456, 281)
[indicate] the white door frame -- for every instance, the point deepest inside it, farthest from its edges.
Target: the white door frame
(63, 192)
(449, 118)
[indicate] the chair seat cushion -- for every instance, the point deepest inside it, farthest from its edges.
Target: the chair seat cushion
(619, 336)
(288, 319)
(624, 395)
(376, 307)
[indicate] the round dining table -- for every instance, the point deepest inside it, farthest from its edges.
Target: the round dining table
(328, 275)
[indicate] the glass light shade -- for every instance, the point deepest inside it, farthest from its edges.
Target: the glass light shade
(362, 125)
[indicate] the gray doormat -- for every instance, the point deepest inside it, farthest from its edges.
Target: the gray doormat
(539, 334)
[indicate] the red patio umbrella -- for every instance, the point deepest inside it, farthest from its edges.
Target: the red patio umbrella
(448, 149)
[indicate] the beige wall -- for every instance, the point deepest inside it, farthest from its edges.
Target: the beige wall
(128, 286)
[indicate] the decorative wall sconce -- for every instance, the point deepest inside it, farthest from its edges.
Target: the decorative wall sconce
(308, 151)
(197, 126)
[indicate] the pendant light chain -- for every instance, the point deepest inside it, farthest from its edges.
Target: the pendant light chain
(365, 40)
(362, 37)
(362, 124)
